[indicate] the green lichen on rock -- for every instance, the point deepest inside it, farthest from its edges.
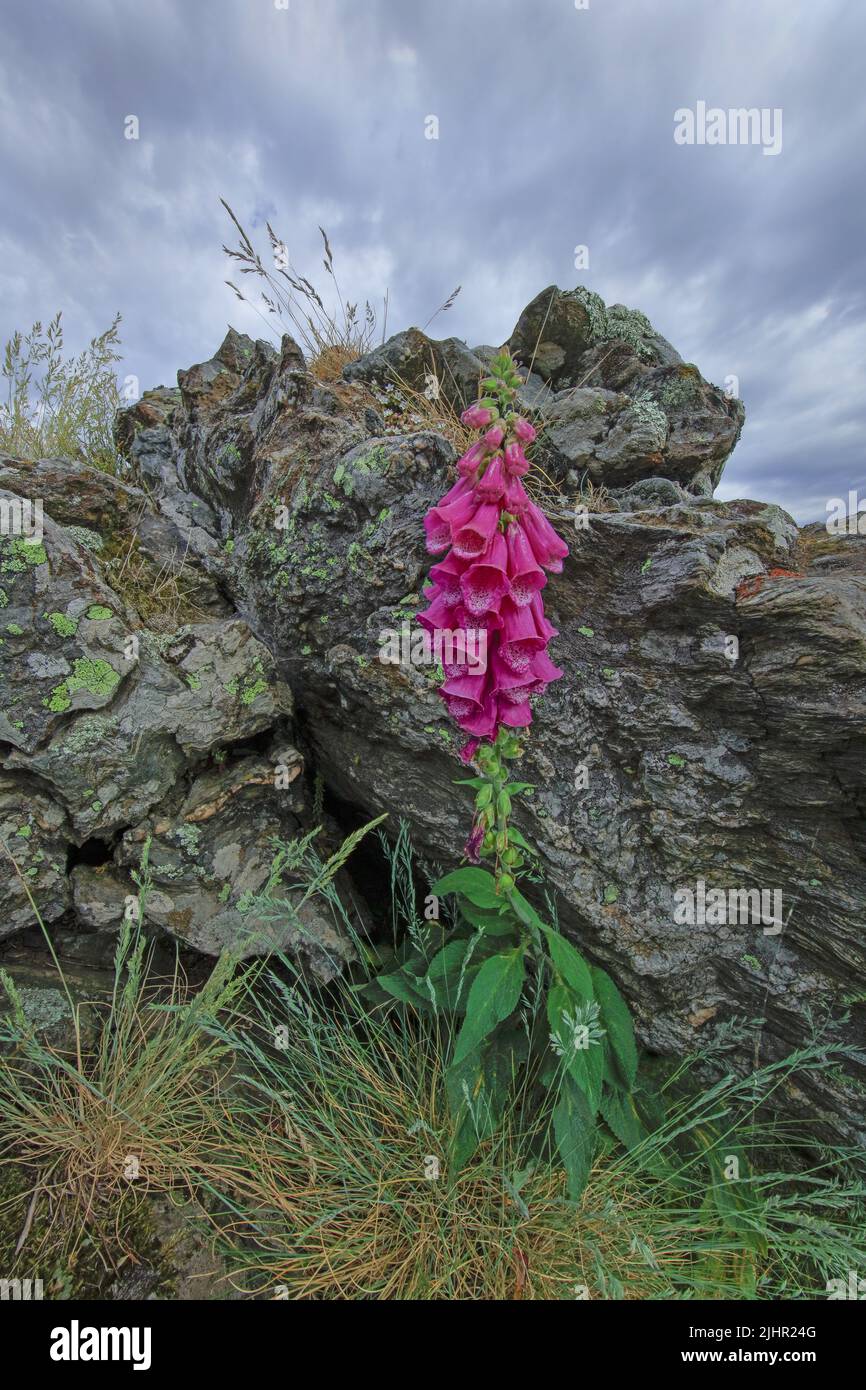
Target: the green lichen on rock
(14, 629)
(94, 676)
(20, 553)
(97, 677)
(189, 836)
(98, 613)
(376, 461)
(616, 323)
(682, 390)
(252, 692)
(89, 732)
(63, 626)
(59, 699)
(647, 411)
(4, 599)
(91, 540)
(44, 1007)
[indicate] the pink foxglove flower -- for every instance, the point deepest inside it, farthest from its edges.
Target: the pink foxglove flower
(516, 462)
(524, 431)
(472, 848)
(494, 436)
(489, 584)
(492, 485)
(477, 417)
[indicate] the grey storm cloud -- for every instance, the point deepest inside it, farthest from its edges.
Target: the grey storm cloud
(556, 129)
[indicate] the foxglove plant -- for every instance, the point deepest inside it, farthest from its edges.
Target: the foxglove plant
(499, 545)
(528, 998)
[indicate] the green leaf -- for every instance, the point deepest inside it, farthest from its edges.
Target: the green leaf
(405, 987)
(617, 1022)
(584, 1065)
(575, 1135)
(515, 838)
(491, 923)
(569, 964)
(493, 996)
(525, 911)
(475, 884)
(446, 978)
(478, 1091)
(619, 1114)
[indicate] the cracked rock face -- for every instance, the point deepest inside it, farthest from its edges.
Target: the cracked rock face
(710, 728)
(114, 735)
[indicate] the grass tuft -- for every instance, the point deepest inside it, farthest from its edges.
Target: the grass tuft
(57, 405)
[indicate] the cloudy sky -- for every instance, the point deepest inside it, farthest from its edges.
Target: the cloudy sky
(555, 129)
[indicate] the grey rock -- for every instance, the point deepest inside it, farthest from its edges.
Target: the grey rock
(100, 897)
(208, 686)
(410, 357)
(35, 833)
(619, 404)
(701, 766)
(213, 855)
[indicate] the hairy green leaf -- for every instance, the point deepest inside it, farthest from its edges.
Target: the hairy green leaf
(575, 1135)
(617, 1021)
(569, 964)
(475, 884)
(493, 996)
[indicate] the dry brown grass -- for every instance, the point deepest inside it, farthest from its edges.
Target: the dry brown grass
(328, 363)
(163, 596)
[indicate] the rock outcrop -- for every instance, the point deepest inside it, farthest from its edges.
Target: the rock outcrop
(710, 728)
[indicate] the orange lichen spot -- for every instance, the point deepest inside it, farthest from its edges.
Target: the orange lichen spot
(747, 588)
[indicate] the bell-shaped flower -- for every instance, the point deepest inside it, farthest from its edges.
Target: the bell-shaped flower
(523, 430)
(492, 483)
(440, 614)
(486, 582)
(443, 522)
(524, 572)
(446, 575)
(549, 549)
(494, 436)
(520, 638)
(472, 537)
(516, 462)
(468, 465)
(516, 500)
(477, 417)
